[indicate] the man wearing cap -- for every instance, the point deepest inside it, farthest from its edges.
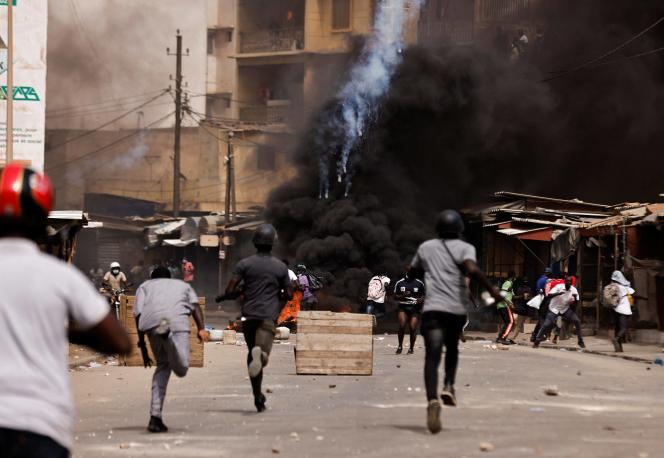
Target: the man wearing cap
(446, 262)
(44, 304)
(264, 277)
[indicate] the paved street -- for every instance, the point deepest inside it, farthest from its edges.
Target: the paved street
(606, 407)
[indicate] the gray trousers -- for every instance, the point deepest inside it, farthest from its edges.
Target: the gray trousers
(171, 354)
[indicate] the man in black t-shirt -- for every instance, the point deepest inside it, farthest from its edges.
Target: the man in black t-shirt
(264, 278)
(409, 293)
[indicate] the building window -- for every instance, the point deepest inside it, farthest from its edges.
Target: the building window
(211, 38)
(266, 158)
(341, 14)
(215, 104)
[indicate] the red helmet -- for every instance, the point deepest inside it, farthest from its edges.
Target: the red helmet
(25, 195)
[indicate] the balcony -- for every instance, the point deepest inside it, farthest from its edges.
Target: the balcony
(273, 40)
(275, 111)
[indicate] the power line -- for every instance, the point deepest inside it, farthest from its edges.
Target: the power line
(99, 105)
(89, 132)
(96, 112)
(120, 140)
(605, 55)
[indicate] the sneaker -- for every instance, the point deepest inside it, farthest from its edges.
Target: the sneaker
(617, 345)
(410, 351)
(536, 344)
(502, 341)
(448, 396)
(462, 338)
(156, 425)
(399, 350)
(511, 342)
(582, 344)
(164, 327)
(433, 416)
(555, 340)
(256, 364)
(259, 402)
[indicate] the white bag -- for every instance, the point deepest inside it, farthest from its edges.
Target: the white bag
(536, 301)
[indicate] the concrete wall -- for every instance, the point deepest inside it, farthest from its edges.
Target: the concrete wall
(318, 33)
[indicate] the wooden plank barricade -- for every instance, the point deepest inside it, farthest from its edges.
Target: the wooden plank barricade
(334, 343)
(196, 348)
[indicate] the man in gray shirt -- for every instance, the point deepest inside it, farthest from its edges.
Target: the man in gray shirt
(265, 279)
(446, 262)
(162, 310)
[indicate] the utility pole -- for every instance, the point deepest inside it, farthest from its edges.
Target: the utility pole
(229, 179)
(178, 122)
(9, 154)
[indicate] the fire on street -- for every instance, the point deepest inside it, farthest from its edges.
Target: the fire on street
(605, 407)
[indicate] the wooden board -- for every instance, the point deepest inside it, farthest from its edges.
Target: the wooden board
(196, 348)
(334, 343)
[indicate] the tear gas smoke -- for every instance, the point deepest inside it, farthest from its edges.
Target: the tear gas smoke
(368, 82)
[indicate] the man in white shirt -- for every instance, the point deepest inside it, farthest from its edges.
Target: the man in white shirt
(562, 297)
(623, 310)
(40, 295)
(376, 293)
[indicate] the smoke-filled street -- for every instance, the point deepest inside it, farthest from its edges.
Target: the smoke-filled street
(606, 407)
(330, 228)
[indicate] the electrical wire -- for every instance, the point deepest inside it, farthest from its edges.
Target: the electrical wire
(113, 143)
(89, 132)
(99, 105)
(97, 112)
(594, 61)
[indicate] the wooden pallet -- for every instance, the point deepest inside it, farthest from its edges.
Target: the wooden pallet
(134, 358)
(334, 343)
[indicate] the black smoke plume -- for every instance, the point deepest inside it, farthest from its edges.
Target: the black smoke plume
(462, 122)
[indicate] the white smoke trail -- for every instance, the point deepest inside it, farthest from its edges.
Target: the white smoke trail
(369, 81)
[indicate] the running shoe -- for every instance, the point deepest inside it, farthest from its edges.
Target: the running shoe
(433, 416)
(448, 396)
(259, 402)
(256, 364)
(399, 350)
(156, 425)
(410, 351)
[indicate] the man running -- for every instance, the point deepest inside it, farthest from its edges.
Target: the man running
(446, 261)
(409, 293)
(162, 310)
(505, 310)
(264, 276)
(39, 296)
(376, 294)
(562, 297)
(622, 311)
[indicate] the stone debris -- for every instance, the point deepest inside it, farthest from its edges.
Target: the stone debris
(551, 390)
(487, 447)
(319, 438)
(295, 436)
(269, 391)
(332, 386)
(578, 372)
(275, 450)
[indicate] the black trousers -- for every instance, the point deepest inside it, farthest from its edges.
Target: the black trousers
(507, 318)
(620, 322)
(258, 333)
(552, 318)
(541, 316)
(438, 329)
(24, 444)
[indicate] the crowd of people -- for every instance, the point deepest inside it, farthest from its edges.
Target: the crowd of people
(61, 306)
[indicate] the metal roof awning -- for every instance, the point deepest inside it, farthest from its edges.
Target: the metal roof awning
(540, 234)
(178, 243)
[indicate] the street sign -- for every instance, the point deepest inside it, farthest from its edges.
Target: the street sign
(29, 69)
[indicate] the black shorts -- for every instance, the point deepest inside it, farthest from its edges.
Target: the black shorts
(411, 309)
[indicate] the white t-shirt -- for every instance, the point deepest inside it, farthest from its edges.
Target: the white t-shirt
(624, 307)
(292, 276)
(560, 304)
(378, 289)
(38, 296)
